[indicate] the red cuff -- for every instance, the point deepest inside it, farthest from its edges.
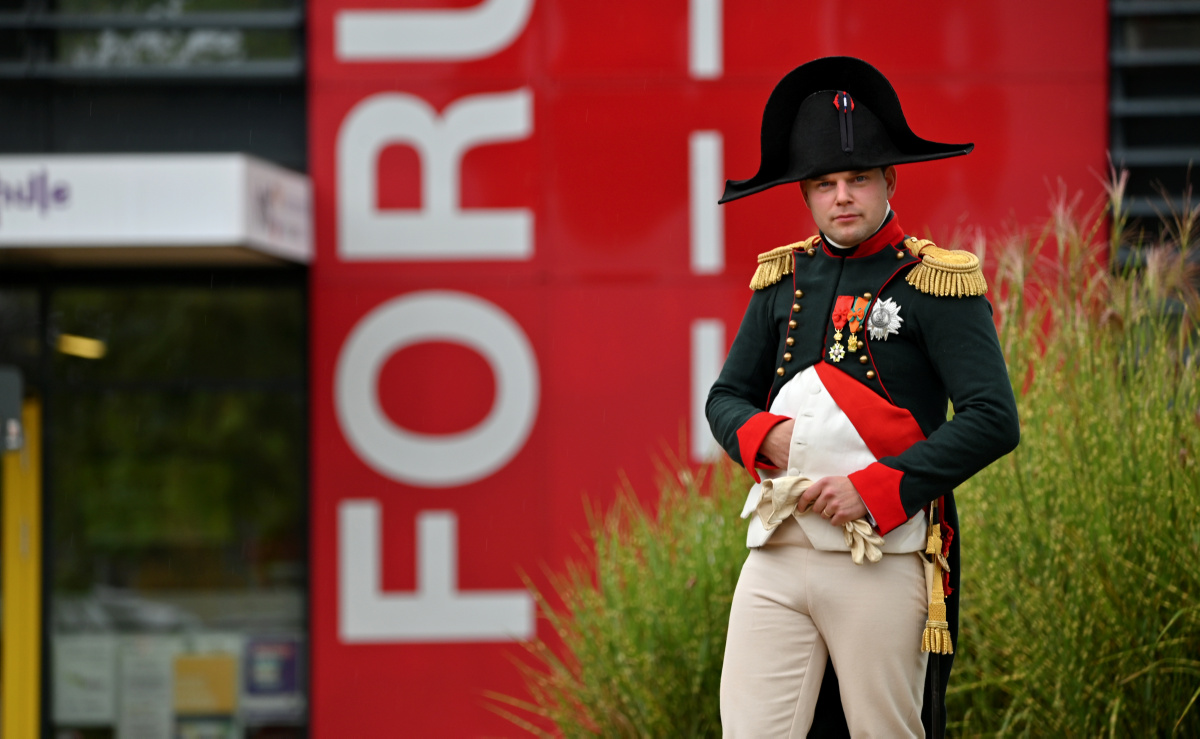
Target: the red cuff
(879, 487)
(751, 435)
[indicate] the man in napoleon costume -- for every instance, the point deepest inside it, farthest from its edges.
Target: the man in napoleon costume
(834, 397)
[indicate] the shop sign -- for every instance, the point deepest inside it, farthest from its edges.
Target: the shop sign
(34, 193)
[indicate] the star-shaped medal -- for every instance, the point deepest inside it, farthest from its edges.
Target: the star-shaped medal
(885, 319)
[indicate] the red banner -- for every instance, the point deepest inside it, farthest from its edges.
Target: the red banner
(524, 286)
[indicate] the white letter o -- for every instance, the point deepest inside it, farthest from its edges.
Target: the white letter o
(426, 460)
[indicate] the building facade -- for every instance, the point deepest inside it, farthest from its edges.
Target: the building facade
(328, 316)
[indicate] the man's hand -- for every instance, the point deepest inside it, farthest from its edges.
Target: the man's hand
(777, 446)
(834, 498)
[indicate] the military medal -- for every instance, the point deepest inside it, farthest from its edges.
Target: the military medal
(841, 314)
(856, 316)
(885, 319)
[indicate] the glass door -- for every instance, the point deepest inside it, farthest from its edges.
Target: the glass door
(178, 527)
(175, 506)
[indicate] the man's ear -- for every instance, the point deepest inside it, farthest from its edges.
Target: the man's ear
(889, 176)
(804, 193)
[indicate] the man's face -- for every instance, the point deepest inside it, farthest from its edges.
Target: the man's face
(849, 206)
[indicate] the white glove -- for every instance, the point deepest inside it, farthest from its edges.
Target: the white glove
(862, 540)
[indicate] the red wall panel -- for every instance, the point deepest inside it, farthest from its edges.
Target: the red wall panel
(606, 298)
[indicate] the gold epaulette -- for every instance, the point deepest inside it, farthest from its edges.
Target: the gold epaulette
(774, 264)
(943, 272)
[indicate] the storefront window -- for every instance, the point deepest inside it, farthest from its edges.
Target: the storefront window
(176, 471)
(168, 8)
(261, 34)
(19, 344)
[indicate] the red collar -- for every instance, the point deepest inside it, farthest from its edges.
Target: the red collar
(888, 234)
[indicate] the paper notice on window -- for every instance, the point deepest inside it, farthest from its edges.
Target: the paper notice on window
(207, 674)
(274, 680)
(85, 679)
(146, 672)
(206, 684)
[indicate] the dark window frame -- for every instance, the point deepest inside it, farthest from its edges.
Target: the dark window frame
(38, 25)
(1150, 92)
(45, 282)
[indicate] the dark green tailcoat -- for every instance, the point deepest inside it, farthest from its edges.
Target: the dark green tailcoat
(945, 350)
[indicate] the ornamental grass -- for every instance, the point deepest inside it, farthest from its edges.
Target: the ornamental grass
(1081, 549)
(635, 649)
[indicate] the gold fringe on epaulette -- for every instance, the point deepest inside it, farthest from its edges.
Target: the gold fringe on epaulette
(936, 637)
(774, 264)
(945, 273)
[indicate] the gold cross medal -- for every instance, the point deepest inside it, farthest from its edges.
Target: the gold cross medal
(857, 314)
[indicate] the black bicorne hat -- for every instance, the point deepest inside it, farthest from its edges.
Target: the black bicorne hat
(834, 114)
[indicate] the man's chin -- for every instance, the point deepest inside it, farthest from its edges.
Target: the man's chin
(846, 237)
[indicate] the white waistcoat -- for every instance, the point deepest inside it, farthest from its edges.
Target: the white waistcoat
(824, 444)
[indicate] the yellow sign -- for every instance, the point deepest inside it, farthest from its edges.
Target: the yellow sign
(22, 579)
(205, 684)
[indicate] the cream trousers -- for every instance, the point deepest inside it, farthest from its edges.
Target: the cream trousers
(795, 606)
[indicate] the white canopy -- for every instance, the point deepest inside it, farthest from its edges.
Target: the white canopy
(153, 208)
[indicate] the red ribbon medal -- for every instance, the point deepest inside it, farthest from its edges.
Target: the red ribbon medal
(841, 313)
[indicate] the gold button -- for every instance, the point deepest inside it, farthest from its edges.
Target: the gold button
(791, 324)
(799, 293)
(787, 356)
(795, 307)
(870, 374)
(790, 341)
(867, 296)
(779, 371)
(862, 359)
(810, 251)
(899, 255)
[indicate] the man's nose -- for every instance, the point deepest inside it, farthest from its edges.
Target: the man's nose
(843, 192)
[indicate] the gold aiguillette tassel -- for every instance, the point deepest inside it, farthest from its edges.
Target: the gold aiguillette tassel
(936, 638)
